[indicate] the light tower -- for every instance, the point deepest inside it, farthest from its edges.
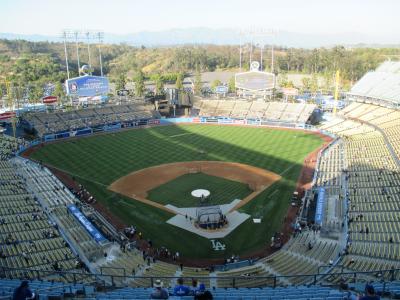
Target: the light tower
(256, 37)
(83, 36)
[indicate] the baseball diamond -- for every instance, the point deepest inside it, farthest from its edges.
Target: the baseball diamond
(103, 163)
(137, 184)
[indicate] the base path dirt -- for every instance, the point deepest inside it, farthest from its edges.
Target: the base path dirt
(137, 184)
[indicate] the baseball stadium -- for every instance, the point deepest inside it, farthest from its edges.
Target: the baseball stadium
(225, 196)
(248, 192)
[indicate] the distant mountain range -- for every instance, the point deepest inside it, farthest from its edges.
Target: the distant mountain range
(201, 35)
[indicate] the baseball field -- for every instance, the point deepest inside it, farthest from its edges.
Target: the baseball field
(98, 161)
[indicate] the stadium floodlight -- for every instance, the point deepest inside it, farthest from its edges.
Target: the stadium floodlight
(84, 36)
(100, 36)
(77, 50)
(65, 51)
(256, 37)
(88, 49)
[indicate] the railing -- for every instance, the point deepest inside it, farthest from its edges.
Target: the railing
(114, 281)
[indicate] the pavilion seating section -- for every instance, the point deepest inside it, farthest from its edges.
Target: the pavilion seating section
(275, 110)
(241, 109)
(305, 113)
(46, 123)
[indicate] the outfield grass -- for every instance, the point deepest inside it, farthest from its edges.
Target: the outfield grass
(99, 160)
(177, 192)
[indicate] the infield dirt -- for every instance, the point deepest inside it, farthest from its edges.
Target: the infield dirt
(136, 184)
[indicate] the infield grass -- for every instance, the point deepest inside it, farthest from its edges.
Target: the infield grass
(99, 160)
(177, 192)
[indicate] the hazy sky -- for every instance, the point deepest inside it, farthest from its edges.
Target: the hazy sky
(124, 16)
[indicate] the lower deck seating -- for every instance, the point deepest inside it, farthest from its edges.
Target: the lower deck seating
(372, 180)
(9, 145)
(28, 238)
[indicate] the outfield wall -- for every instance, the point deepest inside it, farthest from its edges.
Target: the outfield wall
(151, 122)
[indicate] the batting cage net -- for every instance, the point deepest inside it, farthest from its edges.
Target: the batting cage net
(210, 217)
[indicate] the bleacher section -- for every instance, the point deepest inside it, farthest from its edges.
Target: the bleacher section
(242, 109)
(47, 123)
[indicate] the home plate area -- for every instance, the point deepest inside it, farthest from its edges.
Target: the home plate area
(207, 213)
(188, 219)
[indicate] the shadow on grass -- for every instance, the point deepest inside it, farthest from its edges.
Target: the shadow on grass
(97, 161)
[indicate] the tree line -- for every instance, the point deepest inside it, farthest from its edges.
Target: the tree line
(33, 65)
